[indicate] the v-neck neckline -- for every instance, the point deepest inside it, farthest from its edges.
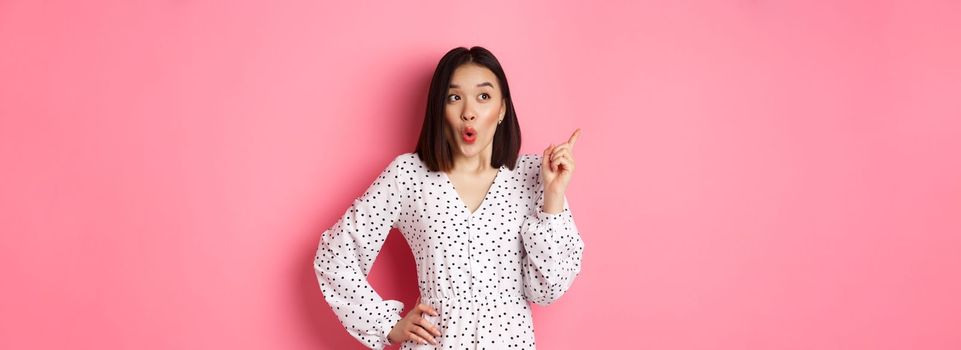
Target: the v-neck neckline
(463, 204)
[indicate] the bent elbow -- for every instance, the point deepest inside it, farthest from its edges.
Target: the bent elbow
(548, 296)
(548, 293)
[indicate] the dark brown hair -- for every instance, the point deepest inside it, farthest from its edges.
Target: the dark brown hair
(434, 146)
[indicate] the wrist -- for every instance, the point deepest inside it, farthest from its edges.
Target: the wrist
(553, 203)
(390, 331)
(551, 211)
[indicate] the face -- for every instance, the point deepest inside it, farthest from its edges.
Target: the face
(473, 106)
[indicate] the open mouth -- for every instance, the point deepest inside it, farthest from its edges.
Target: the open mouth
(469, 134)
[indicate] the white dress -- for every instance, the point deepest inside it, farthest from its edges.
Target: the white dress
(478, 270)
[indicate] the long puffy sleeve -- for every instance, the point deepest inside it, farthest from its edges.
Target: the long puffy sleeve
(553, 251)
(346, 253)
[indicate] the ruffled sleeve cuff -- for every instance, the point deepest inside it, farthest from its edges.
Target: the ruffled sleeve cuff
(394, 308)
(553, 217)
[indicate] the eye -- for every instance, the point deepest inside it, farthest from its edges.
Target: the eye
(485, 96)
(452, 98)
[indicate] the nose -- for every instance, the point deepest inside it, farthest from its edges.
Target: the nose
(467, 116)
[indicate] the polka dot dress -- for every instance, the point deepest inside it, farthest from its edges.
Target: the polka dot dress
(479, 270)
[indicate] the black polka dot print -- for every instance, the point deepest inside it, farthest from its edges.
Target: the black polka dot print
(479, 270)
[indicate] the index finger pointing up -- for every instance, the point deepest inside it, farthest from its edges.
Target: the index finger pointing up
(574, 136)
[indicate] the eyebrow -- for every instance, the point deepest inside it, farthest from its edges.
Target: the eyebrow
(455, 86)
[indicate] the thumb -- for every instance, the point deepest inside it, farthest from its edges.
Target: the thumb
(545, 159)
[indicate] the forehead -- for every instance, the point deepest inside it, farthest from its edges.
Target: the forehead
(467, 76)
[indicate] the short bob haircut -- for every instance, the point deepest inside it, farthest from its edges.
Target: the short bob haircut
(434, 147)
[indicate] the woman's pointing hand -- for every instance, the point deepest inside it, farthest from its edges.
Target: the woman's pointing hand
(557, 167)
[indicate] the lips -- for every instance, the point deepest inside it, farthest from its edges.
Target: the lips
(469, 135)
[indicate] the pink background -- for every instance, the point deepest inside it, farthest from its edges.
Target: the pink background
(752, 174)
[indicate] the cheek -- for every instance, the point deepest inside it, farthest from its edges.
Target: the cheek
(450, 114)
(489, 112)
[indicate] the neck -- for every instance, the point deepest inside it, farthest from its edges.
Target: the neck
(478, 163)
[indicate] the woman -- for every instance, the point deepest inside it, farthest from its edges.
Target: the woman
(490, 230)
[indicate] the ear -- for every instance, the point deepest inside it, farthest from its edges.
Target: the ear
(503, 108)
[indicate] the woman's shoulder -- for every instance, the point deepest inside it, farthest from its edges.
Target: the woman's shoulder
(529, 163)
(408, 162)
(407, 158)
(529, 157)
(527, 174)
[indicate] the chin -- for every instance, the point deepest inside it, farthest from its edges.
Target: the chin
(471, 149)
